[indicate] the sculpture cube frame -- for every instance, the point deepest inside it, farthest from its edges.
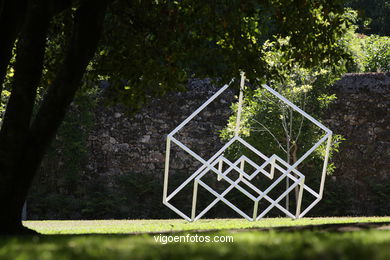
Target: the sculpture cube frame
(218, 159)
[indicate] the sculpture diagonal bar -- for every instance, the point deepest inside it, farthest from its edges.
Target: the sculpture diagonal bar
(214, 165)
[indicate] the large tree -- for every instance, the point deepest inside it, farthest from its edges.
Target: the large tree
(147, 47)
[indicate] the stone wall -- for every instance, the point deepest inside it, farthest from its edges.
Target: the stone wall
(119, 144)
(136, 144)
(362, 115)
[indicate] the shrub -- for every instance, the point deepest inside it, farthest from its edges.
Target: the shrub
(376, 52)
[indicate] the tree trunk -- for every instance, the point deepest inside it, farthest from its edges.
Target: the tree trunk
(294, 160)
(14, 181)
(12, 15)
(1, 6)
(18, 164)
(287, 179)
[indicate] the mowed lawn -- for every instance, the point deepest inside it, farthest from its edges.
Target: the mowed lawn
(273, 238)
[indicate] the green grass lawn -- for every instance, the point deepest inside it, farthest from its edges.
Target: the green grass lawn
(169, 225)
(264, 239)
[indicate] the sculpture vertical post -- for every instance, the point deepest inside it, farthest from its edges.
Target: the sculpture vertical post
(239, 108)
(239, 111)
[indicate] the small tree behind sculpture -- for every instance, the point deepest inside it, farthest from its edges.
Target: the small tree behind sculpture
(274, 126)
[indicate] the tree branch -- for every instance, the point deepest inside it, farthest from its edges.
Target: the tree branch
(303, 105)
(269, 131)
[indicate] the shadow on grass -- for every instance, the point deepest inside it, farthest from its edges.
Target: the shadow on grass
(328, 241)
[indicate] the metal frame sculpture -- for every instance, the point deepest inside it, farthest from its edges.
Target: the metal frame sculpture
(215, 163)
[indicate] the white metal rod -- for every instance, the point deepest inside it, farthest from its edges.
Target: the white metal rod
(177, 211)
(206, 170)
(170, 196)
(211, 167)
(216, 200)
(314, 121)
(276, 182)
(220, 169)
(275, 203)
(251, 148)
(271, 186)
(200, 108)
(315, 194)
(310, 151)
(235, 184)
(261, 169)
(239, 108)
(235, 167)
(242, 166)
(289, 169)
(299, 200)
(250, 177)
(224, 200)
(324, 168)
(166, 171)
(249, 161)
(255, 207)
(194, 198)
(181, 145)
(309, 207)
(264, 194)
(267, 197)
(273, 163)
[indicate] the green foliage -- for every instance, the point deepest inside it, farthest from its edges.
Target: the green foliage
(376, 51)
(5, 93)
(4, 97)
(336, 141)
(352, 43)
(156, 51)
(370, 53)
(57, 41)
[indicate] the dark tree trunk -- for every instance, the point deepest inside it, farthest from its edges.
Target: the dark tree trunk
(12, 15)
(16, 124)
(18, 173)
(1, 6)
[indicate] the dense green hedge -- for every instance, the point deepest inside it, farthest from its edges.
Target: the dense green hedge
(371, 53)
(376, 51)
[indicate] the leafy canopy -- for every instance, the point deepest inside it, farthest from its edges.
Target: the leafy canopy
(151, 47)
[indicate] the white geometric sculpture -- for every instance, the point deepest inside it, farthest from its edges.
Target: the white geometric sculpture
(215, 163)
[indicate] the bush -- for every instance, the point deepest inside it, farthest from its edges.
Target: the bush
(369, 53)
(376, 52)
